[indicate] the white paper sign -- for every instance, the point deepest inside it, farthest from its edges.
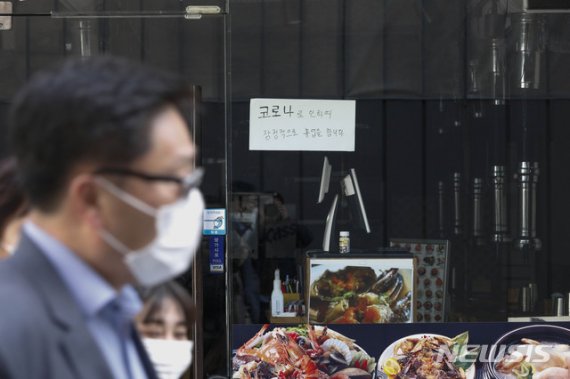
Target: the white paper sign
(302, 125)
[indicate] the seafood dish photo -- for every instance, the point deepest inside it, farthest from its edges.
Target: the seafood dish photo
(302, 352)
(428, 356)
(539, 351)
(354, 295)
(535, 360)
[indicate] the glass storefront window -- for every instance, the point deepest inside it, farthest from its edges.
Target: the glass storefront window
(460, 110)
(460, 136)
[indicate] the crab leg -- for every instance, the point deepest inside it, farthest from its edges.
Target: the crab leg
(256, 339)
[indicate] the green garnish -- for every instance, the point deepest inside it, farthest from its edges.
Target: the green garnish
(524, 371)
(464, 358)
(300, 330)
(460, 339)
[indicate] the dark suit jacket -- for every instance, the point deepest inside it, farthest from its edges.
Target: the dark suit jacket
(43, 334)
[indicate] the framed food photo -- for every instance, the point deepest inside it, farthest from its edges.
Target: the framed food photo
(432, 260)
(368, 288)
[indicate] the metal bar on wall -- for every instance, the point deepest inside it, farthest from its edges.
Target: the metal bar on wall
(342, 10)
(190, 13)
(27, 51)
(227, 170)
(424, 121)
(117, 14)
(548, 200)
(300, 92)
(142, 51)
(197, 280)
(384, 186)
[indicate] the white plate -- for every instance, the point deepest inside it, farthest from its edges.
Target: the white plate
(389, 352)
(332, 334)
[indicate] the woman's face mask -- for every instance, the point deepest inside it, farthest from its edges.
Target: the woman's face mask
(12, 233)
(178, 234)
(170, 358)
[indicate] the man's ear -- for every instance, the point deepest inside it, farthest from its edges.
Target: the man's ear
(85, 199)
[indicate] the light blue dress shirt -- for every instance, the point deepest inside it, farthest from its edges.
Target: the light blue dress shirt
(99, 302)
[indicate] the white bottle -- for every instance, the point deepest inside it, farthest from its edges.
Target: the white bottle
(276, 296)
(344, 242)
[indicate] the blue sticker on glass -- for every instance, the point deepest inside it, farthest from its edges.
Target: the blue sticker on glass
(217, 252)
(214, 222)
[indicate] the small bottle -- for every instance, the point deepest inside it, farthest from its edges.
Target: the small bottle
(344, 242)
(276, 296)
(560, 306)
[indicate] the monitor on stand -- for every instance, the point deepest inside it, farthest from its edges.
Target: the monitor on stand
(351, 191)
(325, 180)
(329, 225)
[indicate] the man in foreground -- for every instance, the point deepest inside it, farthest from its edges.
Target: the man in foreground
(107, 163)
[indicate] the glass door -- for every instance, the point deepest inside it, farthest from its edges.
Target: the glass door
(188, 39)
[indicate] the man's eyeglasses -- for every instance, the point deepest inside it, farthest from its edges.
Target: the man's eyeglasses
(186, 183)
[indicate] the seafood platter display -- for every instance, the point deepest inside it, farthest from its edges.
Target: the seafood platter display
(531, 352)
(431, 279)
(361, 291)
(427, 356)
(301, 352)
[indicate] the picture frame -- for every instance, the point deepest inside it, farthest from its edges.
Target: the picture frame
(364, 288)
(432, 265)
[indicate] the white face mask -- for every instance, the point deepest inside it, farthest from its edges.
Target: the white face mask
(170, 358)
(178, 234)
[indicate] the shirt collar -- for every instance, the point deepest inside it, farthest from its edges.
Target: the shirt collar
(91, 292)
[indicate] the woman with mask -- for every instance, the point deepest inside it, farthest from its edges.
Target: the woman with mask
(13, 207)
(164, 324)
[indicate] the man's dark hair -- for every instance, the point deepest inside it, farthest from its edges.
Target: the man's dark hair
(95, 110)
(12, 201)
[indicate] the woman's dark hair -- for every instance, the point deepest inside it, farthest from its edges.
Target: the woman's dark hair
(12, 200)
(94, 110)
(154, 296)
